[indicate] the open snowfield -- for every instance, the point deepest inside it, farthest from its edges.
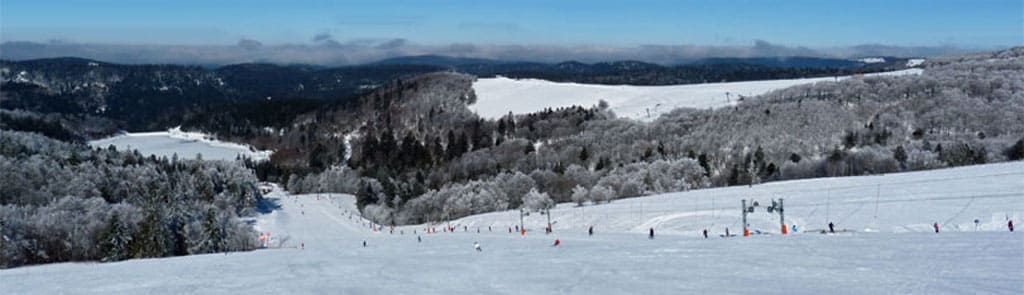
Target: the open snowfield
(497, 97)
(186, 144)
(899, 256)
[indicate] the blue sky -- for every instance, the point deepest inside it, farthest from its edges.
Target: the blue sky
(978, 24)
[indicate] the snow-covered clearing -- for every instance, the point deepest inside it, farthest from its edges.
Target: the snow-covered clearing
(871, 60)
(497, 97)
(185, 144)
(904, 256)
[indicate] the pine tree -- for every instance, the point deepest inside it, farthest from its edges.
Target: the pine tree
(213, 234)
(150, 241)
(584, 155)
(115, 241)
(501, 126)
(529, 149)
(703, 161)
(1016, 152)
(900, 155)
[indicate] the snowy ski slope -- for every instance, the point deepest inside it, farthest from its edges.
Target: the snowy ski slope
(185, 144)
(497, 97)
(903, 257)
(897, 203)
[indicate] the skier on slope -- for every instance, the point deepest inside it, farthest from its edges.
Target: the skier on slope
(705, 233)
(476, 245)
(419, 239)
(557, 242)
(936, 226)
(651, 235)
(831, 227)
(1010, 225)
(590, 231)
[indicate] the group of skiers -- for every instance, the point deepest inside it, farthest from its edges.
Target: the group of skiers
(650, 234)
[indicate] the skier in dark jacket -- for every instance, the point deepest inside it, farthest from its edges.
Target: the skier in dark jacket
(705, 233)
(1010, 225)
(590, 231)
(936, 226)
(831, 228)
(651, 235)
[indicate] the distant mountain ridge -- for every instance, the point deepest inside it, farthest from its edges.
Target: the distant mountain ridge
(644, 73)
(147, 97)
(777, 61)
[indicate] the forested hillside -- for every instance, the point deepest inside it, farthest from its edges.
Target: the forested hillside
(154, 97)
(66, 202)
(408, 166)
(148, 97)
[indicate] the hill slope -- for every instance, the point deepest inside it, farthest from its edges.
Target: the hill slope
(318, 247)
(499, 96)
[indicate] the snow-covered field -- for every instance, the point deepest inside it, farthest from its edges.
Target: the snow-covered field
(496, 97)
(899, 255)
(185, 144)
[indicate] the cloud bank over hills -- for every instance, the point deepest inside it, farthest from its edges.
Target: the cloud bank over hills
(325, 50)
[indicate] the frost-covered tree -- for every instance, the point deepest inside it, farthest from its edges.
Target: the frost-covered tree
(580, 195)
(601, 194)
(113, 205)
(537, 201)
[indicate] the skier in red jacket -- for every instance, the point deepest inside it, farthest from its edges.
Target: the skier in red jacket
(936, 226)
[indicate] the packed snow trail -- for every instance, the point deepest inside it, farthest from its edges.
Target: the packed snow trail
(617, 259)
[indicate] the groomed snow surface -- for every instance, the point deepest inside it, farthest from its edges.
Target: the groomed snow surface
(185, 144)
(318, 246)
(496, 97)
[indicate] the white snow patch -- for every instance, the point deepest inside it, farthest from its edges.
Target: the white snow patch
(915, 62)
(185, 144)
(497, 97)
(21, 77)
(348, 143)
(871, 60)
